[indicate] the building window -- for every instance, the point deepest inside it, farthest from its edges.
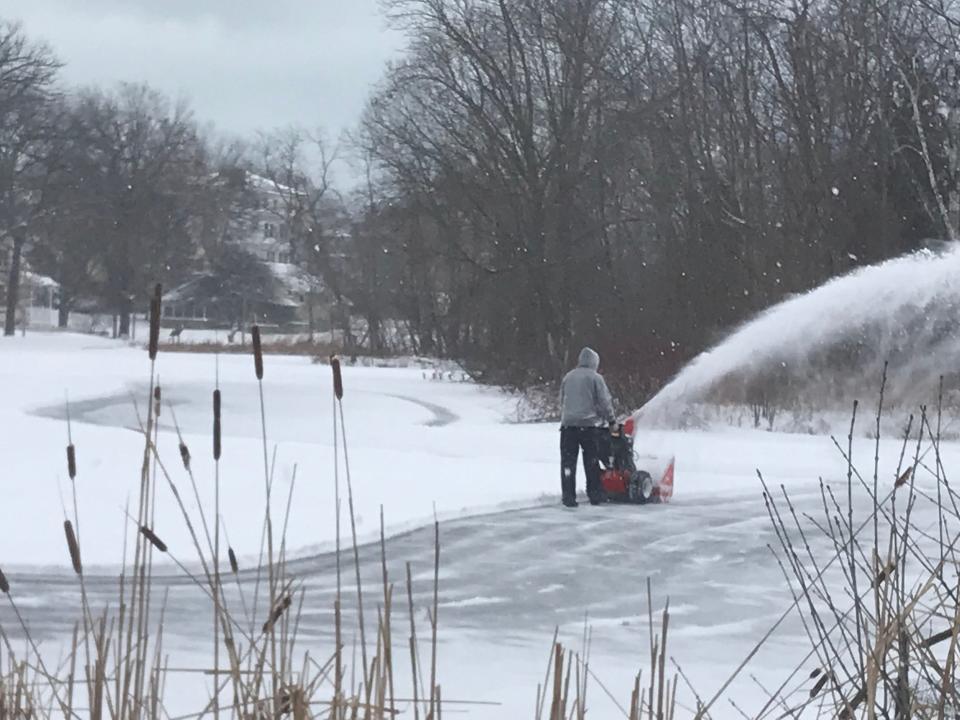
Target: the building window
(268, 229)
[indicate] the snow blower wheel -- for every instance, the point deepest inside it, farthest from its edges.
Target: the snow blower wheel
(641, 487)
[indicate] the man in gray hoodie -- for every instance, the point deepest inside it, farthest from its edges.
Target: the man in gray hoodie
(585, 407)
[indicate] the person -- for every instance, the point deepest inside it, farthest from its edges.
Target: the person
(585, 406)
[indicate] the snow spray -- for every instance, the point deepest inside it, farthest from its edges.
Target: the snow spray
(836, 338)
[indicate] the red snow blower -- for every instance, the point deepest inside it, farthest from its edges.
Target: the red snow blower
(622, 481)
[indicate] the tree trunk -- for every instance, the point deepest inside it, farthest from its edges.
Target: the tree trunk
(63, 314)
(125, 319)
(310, 318)
(13, 286)
(374, 333)
(243, 322)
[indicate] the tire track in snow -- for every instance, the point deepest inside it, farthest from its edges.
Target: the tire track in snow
(86, 410)
(441, 415)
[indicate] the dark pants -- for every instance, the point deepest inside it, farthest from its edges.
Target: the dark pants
(572, 440)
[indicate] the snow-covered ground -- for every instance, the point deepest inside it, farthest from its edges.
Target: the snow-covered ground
(514, 564)
(417, 445)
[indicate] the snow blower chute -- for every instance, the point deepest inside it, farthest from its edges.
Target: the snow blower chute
(622, 481)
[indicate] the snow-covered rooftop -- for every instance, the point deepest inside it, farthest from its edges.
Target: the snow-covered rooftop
(38, 280)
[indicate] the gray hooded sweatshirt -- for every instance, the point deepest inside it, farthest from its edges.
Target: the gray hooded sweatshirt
(584, 397)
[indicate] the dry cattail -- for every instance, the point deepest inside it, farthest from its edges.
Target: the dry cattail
(277, 613)
(337, 377)
(818, 686)
(4, 585)
(154, 540)
(816, 671)
(216, 424)
(73, 546)
(886, 572)
(156, 401)
(292, 702)
(234, 566)
(938, 638)
(154, 323)
(71, 461)
(903, 477)
(257, 352)
(185, 455)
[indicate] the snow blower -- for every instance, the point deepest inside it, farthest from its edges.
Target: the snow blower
(622, 481)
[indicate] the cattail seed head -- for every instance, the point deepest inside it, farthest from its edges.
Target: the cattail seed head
(73, 546)
(337, 377)
(154, 322)
(902, 480)
(156, 401)
(4, 585)
(154, 540)
(257, 352)
(277, 613)
(884, 573)
(818, 686)
(234, 566)
(938, 638)
(216, 424)
(71, 461)
(185, 455)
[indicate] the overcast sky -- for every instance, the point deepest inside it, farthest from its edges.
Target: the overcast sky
(243, 64)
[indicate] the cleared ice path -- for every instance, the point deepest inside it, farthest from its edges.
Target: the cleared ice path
(521, 574)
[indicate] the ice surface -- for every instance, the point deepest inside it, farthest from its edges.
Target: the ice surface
(417, 445)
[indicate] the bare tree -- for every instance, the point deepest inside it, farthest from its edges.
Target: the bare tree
(27, 74)
(148, 165)
(297, 168)
(643, 175)
(490, 126)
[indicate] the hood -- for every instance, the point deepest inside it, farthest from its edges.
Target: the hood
(589, 359)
